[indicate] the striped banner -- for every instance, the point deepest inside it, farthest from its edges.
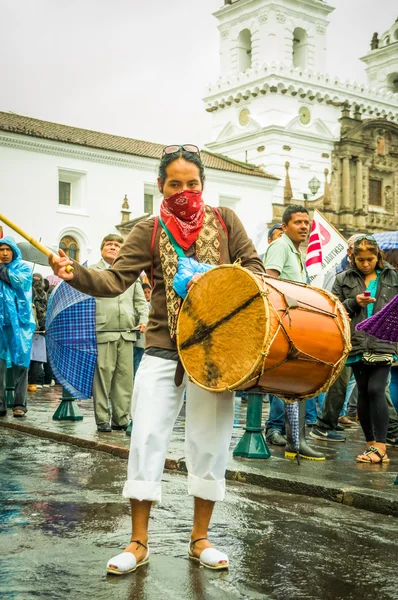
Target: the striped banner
(326, 248)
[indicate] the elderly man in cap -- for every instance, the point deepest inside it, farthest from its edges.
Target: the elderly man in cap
(275, 232)
(17, 324)
(115, 324)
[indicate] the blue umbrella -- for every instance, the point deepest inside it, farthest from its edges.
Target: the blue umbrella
(387, 240)
(71, 339)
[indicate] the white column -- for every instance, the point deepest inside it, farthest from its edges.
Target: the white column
(358, 186)
(346, 182)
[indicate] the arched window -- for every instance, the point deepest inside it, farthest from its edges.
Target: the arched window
(70, 246)
(244, 50)
(300, 48)
(392, 82)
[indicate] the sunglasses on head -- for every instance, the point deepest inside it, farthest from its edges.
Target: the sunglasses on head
(360, 238)
(185, 148)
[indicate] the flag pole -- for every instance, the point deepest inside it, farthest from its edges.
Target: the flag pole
(31, 240)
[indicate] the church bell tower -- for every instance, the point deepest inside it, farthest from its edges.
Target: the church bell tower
(263, 110)
(257, 32)
(382, 60)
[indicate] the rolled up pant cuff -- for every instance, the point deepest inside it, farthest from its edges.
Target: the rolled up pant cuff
(206, 489)
(143, 490)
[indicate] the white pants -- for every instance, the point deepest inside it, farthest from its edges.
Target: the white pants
(156, 404)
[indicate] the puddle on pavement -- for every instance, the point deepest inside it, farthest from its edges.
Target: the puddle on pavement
(62, 517)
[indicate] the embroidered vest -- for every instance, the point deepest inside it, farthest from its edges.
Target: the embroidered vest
(207, 250)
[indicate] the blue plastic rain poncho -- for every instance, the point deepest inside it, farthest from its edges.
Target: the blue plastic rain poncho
(187, 268)
(17, 323)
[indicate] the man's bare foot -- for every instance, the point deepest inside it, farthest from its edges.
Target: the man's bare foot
(197, 548)
(138, 550)
(124, 563)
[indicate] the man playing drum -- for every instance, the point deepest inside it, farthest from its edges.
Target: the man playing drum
(214, 237)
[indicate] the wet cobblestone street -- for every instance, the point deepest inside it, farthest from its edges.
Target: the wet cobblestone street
(62, 517)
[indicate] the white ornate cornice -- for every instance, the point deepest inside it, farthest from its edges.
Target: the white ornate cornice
(281, 78)
(31, 144)
(228, 9)
(22, 142)
(263, 17)
(273, 133)
(227, 177)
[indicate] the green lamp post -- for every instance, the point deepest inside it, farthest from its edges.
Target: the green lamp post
(253, 444)
(68, 410)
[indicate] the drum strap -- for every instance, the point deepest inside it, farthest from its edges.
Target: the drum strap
(207, 250)
(179, 251)
(177, 247)
(219, 217)
(172, 240)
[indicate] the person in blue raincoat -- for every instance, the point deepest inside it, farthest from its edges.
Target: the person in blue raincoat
(17, 323)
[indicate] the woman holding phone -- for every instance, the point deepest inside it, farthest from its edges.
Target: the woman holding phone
(364, 288)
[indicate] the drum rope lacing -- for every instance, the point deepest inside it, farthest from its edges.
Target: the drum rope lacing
(294, 353)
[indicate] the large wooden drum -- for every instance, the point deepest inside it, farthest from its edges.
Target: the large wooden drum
(237, 330)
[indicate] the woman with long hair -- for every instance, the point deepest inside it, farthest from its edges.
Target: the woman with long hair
(364, 288)
(213, 236)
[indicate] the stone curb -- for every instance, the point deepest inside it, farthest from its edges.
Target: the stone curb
(355, 497)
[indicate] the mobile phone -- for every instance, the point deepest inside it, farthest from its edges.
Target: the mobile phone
(366, 294)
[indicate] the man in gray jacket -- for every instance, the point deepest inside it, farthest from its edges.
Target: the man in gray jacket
(115, 322)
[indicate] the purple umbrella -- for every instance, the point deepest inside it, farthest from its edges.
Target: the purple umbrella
(383, 324)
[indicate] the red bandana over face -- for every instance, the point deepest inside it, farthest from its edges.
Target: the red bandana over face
(183, 215)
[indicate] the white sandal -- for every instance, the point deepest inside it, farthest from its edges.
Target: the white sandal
(209, 557)
(126, 562)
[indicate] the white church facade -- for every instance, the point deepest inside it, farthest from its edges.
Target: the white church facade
(70, 187)
(282, 130)
(273, 102)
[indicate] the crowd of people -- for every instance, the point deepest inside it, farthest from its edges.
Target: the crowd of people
(365, 282)
(120, 325)
(40, 372)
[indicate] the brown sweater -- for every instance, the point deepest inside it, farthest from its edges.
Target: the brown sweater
(135, 257)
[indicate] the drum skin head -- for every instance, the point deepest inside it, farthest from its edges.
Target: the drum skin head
(223, 328)
(239, 330)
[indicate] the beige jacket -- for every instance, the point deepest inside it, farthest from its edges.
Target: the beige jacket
(119, 313)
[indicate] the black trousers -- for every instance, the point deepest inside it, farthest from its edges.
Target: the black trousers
(334, 401)
(372, 403)
(20, 383)
(35, 375)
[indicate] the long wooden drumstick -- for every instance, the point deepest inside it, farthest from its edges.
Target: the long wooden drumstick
(31, 240)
